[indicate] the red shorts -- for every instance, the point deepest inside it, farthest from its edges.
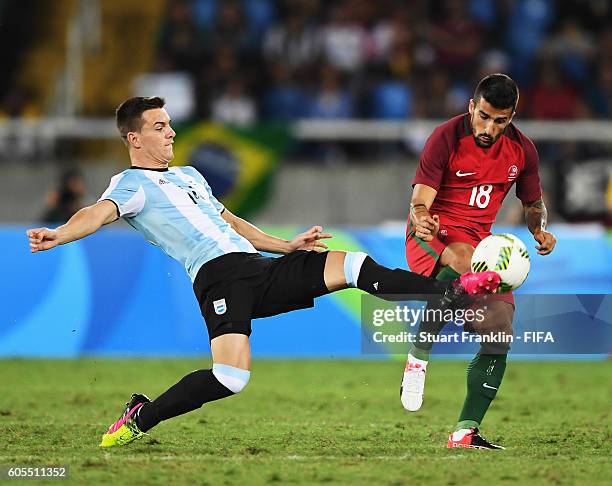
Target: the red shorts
(422, 256)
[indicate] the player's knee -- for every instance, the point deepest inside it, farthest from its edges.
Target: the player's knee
(505, 326)
(461, 261)
(500, 319)
(494, 325)
(459, 258)
(497, 334)
(234, 379)
(353, 261)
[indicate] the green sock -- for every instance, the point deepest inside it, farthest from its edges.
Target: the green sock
(484, 377)
(421, 349)
(447, 274)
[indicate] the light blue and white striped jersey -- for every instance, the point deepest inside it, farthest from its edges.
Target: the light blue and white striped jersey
(175, 209)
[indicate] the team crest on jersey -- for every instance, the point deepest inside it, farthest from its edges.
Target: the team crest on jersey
(512, 172)
(220, 306)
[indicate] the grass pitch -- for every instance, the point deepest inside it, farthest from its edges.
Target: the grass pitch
(306, 422)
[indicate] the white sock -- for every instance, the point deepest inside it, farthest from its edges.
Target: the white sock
(412, 359)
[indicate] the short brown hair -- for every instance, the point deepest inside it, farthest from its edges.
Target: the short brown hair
(129, 113)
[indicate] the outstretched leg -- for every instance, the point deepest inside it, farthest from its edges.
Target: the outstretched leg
(356, 269)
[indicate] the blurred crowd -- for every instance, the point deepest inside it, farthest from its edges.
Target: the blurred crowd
(250, 60)
(65, 198)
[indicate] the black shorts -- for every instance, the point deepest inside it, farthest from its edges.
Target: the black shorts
(233, 289)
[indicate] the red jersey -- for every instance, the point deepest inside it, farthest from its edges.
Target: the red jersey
(472, 181)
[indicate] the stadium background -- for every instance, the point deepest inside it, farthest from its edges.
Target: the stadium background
(298, 112)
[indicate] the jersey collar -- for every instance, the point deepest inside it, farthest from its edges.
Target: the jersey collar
(161, 169)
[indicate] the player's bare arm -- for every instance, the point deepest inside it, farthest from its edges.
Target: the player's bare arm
(309, 240)
(536, 217)
(84, 222)
(425, 225)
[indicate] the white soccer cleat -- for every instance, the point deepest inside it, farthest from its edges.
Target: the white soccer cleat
(413, 383)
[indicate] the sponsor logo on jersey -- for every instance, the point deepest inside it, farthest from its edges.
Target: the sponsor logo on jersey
(512, 172)
(163, 181)
(220, 306)
(464, 174)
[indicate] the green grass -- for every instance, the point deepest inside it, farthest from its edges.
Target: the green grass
(305, 422)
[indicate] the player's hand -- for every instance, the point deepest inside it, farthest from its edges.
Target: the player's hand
(310, 240)
(42, 239)
(426, 227)
(546, 240)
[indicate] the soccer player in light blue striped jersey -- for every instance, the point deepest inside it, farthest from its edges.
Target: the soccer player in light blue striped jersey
(174, 209)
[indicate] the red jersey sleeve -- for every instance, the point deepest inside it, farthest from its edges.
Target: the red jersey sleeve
(528, 187)
(434, 158)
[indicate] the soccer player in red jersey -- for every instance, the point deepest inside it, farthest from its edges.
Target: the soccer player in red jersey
(467, 167)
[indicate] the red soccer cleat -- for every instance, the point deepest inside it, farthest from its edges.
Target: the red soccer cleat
(469, 439)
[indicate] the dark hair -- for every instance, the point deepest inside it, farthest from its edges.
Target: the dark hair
(498, 89)
(129, 113)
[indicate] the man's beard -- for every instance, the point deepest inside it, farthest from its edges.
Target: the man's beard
(484, 142)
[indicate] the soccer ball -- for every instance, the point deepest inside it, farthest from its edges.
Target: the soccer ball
(505, 254)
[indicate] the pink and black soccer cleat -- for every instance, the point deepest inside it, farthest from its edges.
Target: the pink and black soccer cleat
(463, 290)
(480, 283)
(125, 430)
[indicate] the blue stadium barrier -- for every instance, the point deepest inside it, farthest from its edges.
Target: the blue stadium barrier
(113, 294)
